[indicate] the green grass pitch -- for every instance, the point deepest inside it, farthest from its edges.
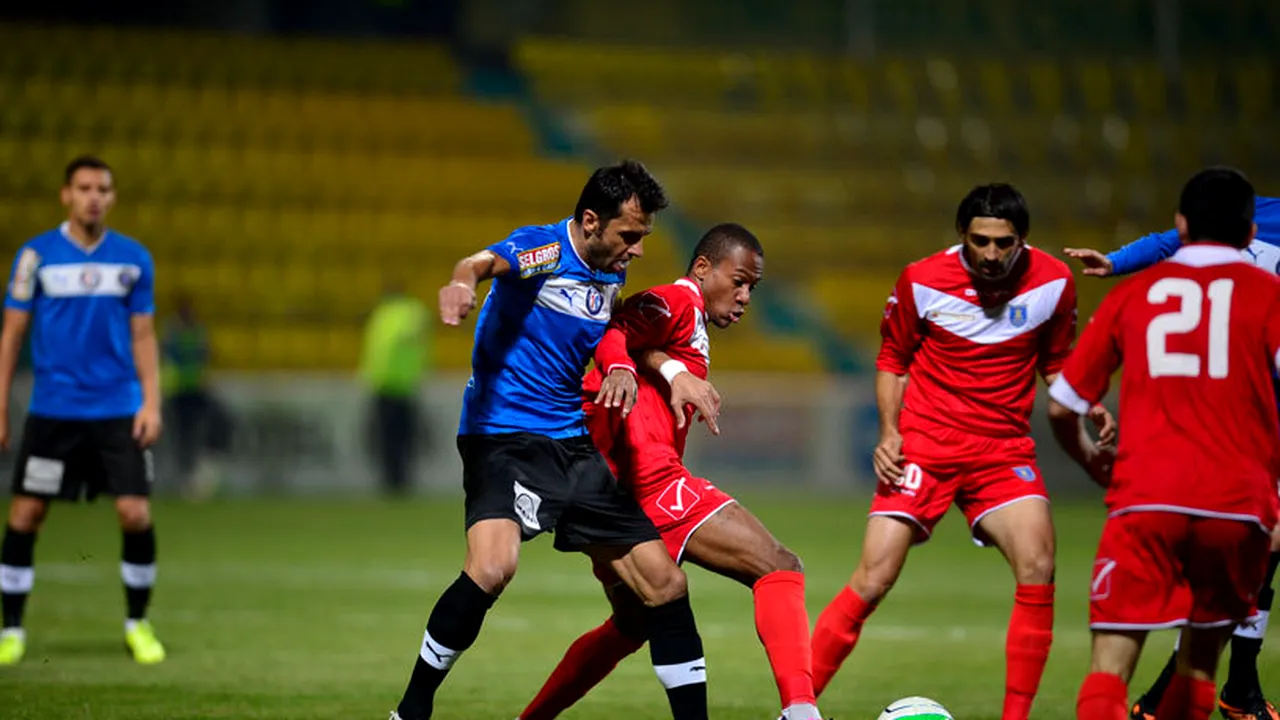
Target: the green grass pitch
(314, 609)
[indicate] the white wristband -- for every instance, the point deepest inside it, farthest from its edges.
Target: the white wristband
(670, 369)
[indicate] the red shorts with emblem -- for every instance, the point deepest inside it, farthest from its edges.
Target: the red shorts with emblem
(644, 451)
(1163, 569)
(945, 465)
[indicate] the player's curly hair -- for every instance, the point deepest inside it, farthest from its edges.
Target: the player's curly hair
(996, 200)
(721, 240)
(613, 185)
(1218, 204)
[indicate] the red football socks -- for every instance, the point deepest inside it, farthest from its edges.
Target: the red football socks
(782, 622)
(1027, 648)
(836, 633)
(1187, 699)
(1103, 696)
(587, 661)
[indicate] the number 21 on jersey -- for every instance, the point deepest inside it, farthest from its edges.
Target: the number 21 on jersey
(1187, 318)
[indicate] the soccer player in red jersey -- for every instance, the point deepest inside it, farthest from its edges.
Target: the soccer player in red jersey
(970, 327)
(1192, 496)
(666, 329)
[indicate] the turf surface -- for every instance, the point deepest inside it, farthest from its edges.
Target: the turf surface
(314, 609)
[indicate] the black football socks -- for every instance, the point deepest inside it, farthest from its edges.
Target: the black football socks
(17, 574)
(452, 628)
(676, 650)
(138, 571)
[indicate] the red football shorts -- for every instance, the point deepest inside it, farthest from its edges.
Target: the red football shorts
(644, 452)
(1159, 570)
(945, 465)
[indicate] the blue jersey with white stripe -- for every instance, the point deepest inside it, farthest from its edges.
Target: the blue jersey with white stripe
(81, 301)
(1151, 249)
(537, 330)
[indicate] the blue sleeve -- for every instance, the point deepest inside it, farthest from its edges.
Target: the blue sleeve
(142, 298)
(24, 283)
(1144, 252)
(530, 251)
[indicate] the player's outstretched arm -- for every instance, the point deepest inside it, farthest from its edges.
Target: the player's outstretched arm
(11, 337)
(1137, 255)
(459, 297)
(686, 389)
(888, 457)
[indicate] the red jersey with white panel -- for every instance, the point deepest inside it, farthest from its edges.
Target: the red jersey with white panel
(646, 450)
(972, 351)
(1198, 336)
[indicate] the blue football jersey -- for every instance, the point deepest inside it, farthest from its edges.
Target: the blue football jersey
(81, 303)
(537, 330)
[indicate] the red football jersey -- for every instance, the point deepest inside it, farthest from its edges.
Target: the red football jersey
(1198, 336)
(671, 318)
(972, 354)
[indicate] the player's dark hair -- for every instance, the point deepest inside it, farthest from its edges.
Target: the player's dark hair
(91, 162)
(613, 185)
(1218, 203)
(997, 200)
(723, 239)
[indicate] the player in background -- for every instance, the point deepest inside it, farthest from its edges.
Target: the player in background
(528, 462)
(970, 327)
(1192, 497)
(95, 408)
(1242, 697)
(665, 329)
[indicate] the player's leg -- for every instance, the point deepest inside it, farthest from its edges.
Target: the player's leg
(125, 470)
(885, 544)
(17, 571)
(1104, 693)
(595, 654)
(1191, 691)
(43, 471)
(1242, 694)
(1023, 530)
(511, 484)
(734, 543)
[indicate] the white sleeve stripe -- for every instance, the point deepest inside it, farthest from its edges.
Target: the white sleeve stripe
(1062, 392)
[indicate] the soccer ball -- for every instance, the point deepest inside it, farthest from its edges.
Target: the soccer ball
(919, 708)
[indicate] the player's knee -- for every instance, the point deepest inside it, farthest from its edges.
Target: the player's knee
(26, 514)
(872, 581)
(1035, 568)
(787, 561)
(134, 514)
(493, 576)
(665, 586)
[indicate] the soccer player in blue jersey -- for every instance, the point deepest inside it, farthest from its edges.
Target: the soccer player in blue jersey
(1242, 697)
(87, 293)
(529, 464)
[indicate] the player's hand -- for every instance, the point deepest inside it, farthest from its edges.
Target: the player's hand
(4, 430)
(146, 426)
(688, 389)
(1095, 263)
(619, 390)
(456, 300)
(1100, 464)
(1105, 425)
(888, 458)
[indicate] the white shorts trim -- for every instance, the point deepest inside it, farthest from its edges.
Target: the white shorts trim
(903, 516)
(973, 526)
(680, 555)
(1138, 626)
(1218, 624)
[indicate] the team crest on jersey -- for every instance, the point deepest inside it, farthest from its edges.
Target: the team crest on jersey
(128, 277)
(1026, 473)
(594, 301)
(1017, 315)
(539, 260)
(90, 277)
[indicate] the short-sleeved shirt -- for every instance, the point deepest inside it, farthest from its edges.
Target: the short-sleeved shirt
(537, 330)
(972, 352)
(82, 301)
(1198, 336)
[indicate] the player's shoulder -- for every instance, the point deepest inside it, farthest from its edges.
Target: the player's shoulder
(42, 243)
(932, 268)
(538, 249)
(1046, 265)
(667, 299)
(129, 246)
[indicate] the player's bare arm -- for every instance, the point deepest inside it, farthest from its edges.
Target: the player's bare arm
(1069, 430)
(15, 329)
(1104, 423)
(888, 457)
(146, 357)
(459, 297)
(686, 389)
(1096, 264)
